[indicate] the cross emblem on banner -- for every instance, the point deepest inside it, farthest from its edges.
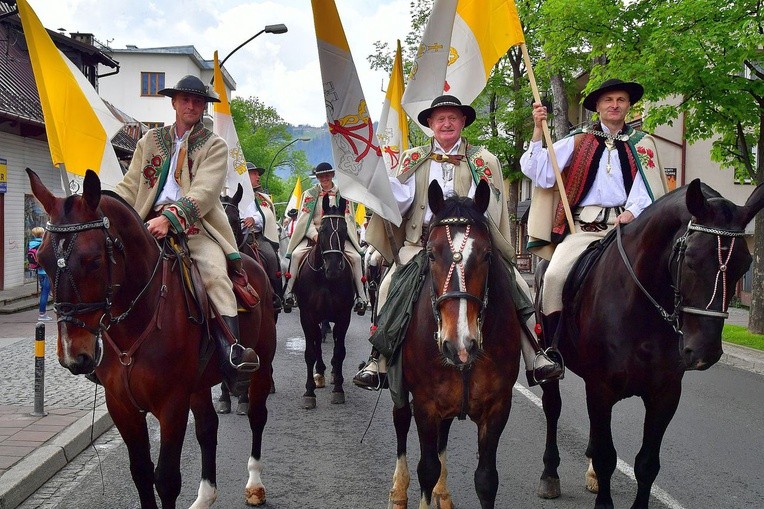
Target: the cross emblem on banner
(358, 132)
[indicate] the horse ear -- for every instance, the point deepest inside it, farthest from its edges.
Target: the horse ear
(754, 203)
(435, 197)
(325, 203)
(343, 203)
(238, 194)
(482, 196)
(45, 197)
(696, 202)
(91, 189)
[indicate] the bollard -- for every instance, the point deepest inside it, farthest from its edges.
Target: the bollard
(39, 371)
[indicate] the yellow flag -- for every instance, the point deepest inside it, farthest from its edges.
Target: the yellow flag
(360, 214)
(223, 126)
(78, 123)
(294, 200)
(393, 126)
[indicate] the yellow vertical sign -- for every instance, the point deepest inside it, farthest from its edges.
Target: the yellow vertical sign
(3, 176)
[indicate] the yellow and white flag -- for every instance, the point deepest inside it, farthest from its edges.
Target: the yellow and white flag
(294, 200)
(479, 33)
(393, 127)
(78, 124)
(360, 214)
(361, 173)
(223, 127)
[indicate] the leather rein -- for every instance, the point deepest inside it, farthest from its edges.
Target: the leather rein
(675, 265)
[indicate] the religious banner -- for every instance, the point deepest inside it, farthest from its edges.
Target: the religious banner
(393, 127)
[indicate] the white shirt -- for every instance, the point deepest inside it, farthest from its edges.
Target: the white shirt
(253, 212)
(607, 190)
(171, 191)
(404, 192)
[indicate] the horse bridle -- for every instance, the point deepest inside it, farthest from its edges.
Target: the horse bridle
(675, 265)
(457, 262)
(334, 238)
(68, 311)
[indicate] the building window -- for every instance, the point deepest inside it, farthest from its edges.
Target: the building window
(151, 83)
(152, 125)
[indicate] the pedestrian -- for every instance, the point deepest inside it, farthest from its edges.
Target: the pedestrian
(611, 173)
(174, 182)
(42, 276)
(458, 167)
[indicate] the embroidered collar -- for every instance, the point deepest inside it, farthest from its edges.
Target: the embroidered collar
(608, 136)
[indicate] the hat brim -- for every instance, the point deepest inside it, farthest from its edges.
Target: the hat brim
(171, 92)
(635, 91)
(323, 172)
(259, 171)
(466, 109)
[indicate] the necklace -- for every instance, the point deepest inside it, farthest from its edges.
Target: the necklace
(448, 171)
(609, 141)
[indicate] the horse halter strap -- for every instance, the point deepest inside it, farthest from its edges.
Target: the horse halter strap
(334, 236)
(457, 262)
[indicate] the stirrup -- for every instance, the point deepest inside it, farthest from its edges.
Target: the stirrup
(553, 355)
(365, 377)
(244, 366)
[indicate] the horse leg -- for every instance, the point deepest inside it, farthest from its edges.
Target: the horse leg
(259, 389)
(549, 484)
(206, 427)
(243, 407)
(312, 333)
(223, 405)
(490, 428)
(320, 377)
(428, 469)
(132, 428)
(173, 419)
(338, 358)
(441, 498)
(659, 410)
(399, 498)
(603, 452)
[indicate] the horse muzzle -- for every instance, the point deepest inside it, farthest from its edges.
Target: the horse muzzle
(699, 360)
(79, 361)
(459, 353)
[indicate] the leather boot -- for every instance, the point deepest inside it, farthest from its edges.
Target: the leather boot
(370, 375)
(236, 362)
(548, 364)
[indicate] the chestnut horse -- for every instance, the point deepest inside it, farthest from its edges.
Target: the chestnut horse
(470, 367)
(324, 290)
(651, 308)
(123, 315)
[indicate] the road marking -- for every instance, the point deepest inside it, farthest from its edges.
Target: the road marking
(621, 465)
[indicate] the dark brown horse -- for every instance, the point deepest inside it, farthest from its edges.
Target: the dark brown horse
(652, 307)
(324, 290)
(122, 314)
(472, 365)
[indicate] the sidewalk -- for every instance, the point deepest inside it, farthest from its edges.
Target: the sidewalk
(34, 448)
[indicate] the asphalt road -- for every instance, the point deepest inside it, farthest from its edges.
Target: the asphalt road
(316, 458)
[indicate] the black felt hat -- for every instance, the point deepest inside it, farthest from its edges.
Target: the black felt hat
(635, 91)
(254, 167)
(447, 101)
(292, 213)
(323, 168)
(191, 85)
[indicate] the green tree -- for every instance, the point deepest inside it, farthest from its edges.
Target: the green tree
(706, 52)
(262, 134)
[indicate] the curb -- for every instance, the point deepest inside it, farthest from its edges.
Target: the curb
(29, 474)
(743, 357)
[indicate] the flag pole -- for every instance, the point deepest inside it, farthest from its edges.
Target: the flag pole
(548, 139)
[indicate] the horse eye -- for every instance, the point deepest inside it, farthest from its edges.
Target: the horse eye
(430, 255)
(488, 256)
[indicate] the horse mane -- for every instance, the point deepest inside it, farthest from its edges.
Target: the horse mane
(676, 199)
(118, 198)
(460, 206)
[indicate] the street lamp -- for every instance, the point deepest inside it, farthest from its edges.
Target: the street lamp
(271, 29)
(270, 166)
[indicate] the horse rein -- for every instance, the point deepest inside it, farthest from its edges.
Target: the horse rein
(457, 262)
(675, 263)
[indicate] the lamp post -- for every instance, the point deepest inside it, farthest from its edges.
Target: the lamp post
(271, 29)
(270, 166)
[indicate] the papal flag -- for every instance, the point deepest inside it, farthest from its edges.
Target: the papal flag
(223, 127)
(78, 124)
(360, 214)
(294, 200)
(393, 127)
(480, 33)
(361, 173)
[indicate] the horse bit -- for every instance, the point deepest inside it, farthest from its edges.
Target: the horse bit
(457, 262)
(677, 257)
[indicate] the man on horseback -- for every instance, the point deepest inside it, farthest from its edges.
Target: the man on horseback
(458, 167)
(306, 234)
(611, 174)
(174, 183)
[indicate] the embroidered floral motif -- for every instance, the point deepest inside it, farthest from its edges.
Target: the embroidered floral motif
(646, 157)
(264, 203)
(479, 162)
(194, 230)
(151, 171)
(415, 156)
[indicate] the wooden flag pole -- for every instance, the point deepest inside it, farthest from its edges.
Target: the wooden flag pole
(548, 139)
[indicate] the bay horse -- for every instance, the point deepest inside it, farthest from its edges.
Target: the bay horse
(651, 308)
(325, 291)
(123, 315)
(470, 367)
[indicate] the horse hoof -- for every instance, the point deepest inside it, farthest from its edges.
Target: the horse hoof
(242, 409)
(320, 381)
(592, 484)
(397, 504)
(255, 496)
(442, 501)
(548, 488)
(223, 407)
(309, 402)
(338, 398)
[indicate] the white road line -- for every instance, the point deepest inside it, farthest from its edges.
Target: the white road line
(621, 465)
